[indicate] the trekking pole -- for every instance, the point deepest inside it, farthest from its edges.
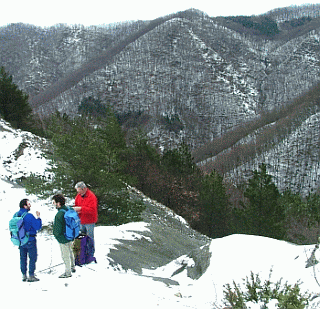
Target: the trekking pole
(90, 268)
(50, 260)
(49, 268)
(86, 266)
(314, 275)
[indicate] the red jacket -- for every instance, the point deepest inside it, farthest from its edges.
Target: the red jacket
(89, 207)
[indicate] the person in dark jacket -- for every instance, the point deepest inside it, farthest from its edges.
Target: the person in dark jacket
(59, 228)
(32, 226)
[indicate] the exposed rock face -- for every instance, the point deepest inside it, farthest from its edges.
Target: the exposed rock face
(168, 239)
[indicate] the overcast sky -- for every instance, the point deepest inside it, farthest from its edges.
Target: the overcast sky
(97, 12)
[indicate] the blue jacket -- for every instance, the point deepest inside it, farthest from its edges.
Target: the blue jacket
(31, 224)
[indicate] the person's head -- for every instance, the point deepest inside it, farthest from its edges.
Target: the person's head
(25, 203)
(58, 200)
(81, 188)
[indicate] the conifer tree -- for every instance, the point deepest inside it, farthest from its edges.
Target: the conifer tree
(93, 153)
(182, 177)
(93, 107)
(179, 161)
(263, 213)
(143, 159)
(14, 106)
(215, 206)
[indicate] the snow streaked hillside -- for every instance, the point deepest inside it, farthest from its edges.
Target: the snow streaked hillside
(294, 162)
(21, 153)
(209, 74)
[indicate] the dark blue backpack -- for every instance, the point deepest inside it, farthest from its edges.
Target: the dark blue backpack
(72, 224)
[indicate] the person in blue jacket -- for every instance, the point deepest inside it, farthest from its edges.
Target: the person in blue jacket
(31, 225)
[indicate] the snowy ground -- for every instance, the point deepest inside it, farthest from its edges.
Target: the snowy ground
(99, 285)
(233, 258)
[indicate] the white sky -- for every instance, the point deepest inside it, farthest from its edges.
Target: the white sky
(97, 12)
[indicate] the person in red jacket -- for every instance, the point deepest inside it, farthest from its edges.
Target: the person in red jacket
(86, 205)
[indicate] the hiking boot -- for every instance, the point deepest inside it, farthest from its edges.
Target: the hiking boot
(33, 279)
(24, 278)
(65, 275)
(73, 269)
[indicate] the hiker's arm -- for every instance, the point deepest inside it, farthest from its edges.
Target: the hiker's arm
(77, 208)
(77, 204)
(36, 223)
(89, 205)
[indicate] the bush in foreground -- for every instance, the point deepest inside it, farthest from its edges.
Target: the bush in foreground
(286, 296)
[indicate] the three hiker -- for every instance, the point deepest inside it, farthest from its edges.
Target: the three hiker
(59, 228)
(31, 225)
(86, 205)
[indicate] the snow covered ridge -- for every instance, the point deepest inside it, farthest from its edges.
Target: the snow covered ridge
(21, 153)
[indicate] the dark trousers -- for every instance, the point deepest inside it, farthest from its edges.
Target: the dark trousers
(30, 248)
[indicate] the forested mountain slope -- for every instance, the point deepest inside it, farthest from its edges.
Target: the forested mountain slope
(191, 78)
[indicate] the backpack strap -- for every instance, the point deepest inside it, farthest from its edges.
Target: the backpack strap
(23, 215)
(64, 209)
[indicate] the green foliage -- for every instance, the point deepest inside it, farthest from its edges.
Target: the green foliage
(172, 123)
(14, 106)
(93, 107)
(234, 296)
(263, 213)
(262, 24)
(120, 207)
(297, 22)
(287, 296)
(38, 185)
(133, 119)
(170, 179)
(95, 153)
(292, 203)
(215, 207)
(179, 161)
(313, 208)
(307, 208)
(143, 158)
(144, 150)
